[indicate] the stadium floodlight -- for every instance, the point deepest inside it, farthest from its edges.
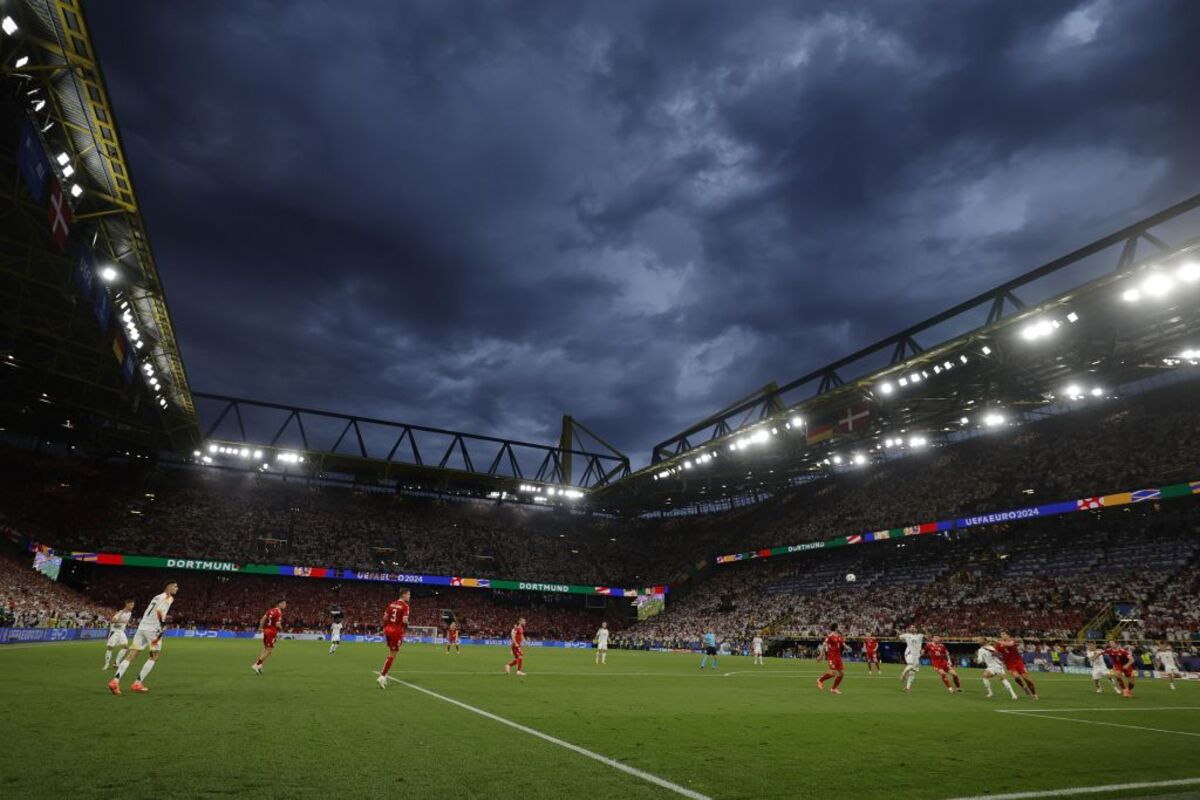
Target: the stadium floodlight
(1097, 391)
(774, 431)
(68, 171)
(915, 377)
(1157, 284)
(759, 437)
(993, 419)
(797, 422)
(196, 453)
(937, 369)
(258, 454)
(1072, 317)
(964, 420)
(1189, 272)
(837, 459)
(62, 159)
(1131, 295)
(207, 459)
(20, 62)
(76, 190)
(860, 459)
(963, 359)
(987, 351)
(917, 441)
(903, 381)
(687, 465)
(212, 448)
(947, 365)
(886, 388)
(9, 25)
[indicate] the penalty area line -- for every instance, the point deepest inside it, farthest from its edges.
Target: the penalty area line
(634, 771)
(1040, 715)
(1078, 790)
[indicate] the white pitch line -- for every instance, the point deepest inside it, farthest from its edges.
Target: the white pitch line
(637, 773)
(1127, 708)
(1040, 715)
(1078, 790)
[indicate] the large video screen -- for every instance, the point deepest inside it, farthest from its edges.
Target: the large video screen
(47, 564)
(648, 605)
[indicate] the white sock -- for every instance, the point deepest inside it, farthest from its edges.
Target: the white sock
(121, 653)
(124, 665)
(107, 658)
(1008, 686)
(987, 684)
(149, 665)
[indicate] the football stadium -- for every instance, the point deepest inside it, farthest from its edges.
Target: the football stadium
(959, 560)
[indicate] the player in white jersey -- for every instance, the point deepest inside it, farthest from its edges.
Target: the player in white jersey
(913, 642)
(602, 644)
(993, 667)
(1168, 662)
(116, 634)
(756, 649)
(1100, 669)
(335, 636)
(147, 636)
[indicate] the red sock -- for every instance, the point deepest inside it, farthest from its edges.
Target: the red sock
(945, 680)
(957, 683)
(387, 665)
(1029, 683)
(837, 681)
(258, 663)
(825, 677)
(520, 663)
(513, 663)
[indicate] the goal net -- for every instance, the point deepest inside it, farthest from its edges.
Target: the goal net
(421, 631)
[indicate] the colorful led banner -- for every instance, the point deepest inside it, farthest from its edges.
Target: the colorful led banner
(959, 523)
(334, 573)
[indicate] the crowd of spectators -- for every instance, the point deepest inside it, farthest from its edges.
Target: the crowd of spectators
(29, 599)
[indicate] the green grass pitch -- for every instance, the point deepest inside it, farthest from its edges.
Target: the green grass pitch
(316, 725)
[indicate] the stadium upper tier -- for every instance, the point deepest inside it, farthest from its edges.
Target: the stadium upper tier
(71, 503)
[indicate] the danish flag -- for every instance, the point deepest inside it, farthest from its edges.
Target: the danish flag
(59, 214)
(853, 418)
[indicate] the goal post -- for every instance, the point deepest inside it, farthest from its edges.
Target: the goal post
(422, 632)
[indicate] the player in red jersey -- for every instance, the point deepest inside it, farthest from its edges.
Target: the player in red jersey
(832, 647)
(395, 622)
(1122, 662)
(939, 658)
(1010, 650)
(269, 625)
(871, 653)
(452, 637)
(518, 648)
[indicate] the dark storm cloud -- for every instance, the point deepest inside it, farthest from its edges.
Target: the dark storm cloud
(484, 215)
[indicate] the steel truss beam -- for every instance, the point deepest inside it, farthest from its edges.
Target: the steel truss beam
(329, 436)
(1002, 303)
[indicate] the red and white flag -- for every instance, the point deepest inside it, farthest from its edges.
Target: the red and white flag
(59, 214)
(854, 418)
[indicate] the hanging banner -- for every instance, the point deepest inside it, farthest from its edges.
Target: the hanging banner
(993, 518)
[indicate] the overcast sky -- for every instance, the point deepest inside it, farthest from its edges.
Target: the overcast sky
(483, 215)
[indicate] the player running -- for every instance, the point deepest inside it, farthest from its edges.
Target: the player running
(1014, 661)
(395, 622)
(1122, 666)
(335, 636)
(1167, 660)
(1100, 669)
(269, 625)
(912, 656)
(710, 649)
(452, 637)
(518, 648)
(939, 658)
(147, 636)
(993, 667)
(832, 648)
(602, 644)
(756, 649)
(871, 654)
(116, 634)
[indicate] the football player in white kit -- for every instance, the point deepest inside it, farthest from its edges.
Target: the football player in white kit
(993, 667)
(602, 644)
(335, 636)
(1168, 662)
(116, 634)
(756, 649)
(1100, 669)
(147, 636)
(913, 642)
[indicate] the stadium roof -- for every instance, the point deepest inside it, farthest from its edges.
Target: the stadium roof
(60, 337)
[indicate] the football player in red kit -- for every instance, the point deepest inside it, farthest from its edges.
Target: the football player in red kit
(832, 647)
(518, 648)
(1010, 650)
(395, 622)
(939, 658)
(871, 653)
(270, 624)
(1122, 666)
(452, 637)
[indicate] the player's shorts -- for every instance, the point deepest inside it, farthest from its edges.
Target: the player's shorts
(517, 651)
(1099, 672)
(941, 666)
(758, 651)
(872, 658)
(712, 651)
(269, 635)
(836, 663)
(1016, 668)
(118, 639)
(335, 638)
(994, 667)
(452, 640)
(1125, 671)
(912, 661)
(602, 646)
(1170, 667)
(395, 638)
(147, 640)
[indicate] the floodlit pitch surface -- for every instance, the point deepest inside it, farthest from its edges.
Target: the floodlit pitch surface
(645, 725)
